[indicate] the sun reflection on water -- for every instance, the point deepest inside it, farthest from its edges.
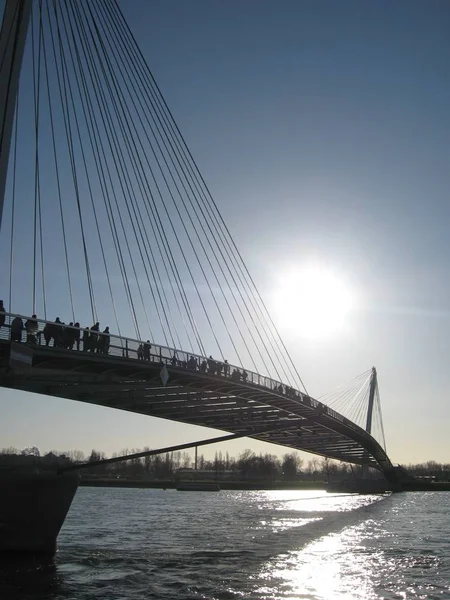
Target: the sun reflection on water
(316, 501)
(332, 562)
(351, 565)
(278, 525)
(323, 570)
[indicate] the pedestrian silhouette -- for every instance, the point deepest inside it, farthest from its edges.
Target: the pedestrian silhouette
(76, 335)
(2, 314)
(103, 342)
(31, 326)
(93, 337)
(86, 339)
(16, 330)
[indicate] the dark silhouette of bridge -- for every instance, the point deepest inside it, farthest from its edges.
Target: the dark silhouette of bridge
(131, 205)
(164, 386)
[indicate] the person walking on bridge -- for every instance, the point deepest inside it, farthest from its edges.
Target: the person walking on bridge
(192, 364)
(93, 337)
(2, 314)
(86, 339)
(76, 335)
(68, 339)
(103, 342)
(31, 326)
(211, 365)
(16, 330)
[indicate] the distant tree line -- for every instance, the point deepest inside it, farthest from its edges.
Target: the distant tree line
(431, 468)
(246, 466)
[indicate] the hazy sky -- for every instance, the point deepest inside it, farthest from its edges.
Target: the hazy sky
(323, 131)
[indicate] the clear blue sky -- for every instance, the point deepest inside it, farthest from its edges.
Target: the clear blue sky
(323, 131)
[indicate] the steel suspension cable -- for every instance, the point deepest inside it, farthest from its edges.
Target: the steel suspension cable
(170, 260)
(155, 136)
(127, 68)
(58, 183)
(347, 400)
(13, 207)
(39, 207)
(175, 233)
(141, 234)
(93, 134)
(153, 112)
(68, 130)
(114, 78)
(36, 97)
(83, 85)
(187, 150)
(361, 414)
(144, 245)
(380, 414)
(93, 206)
(123, 181)
(366, 374)
(169, 218)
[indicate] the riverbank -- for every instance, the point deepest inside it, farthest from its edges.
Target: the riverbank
(410, 486)
(224, 485)
(426, 486)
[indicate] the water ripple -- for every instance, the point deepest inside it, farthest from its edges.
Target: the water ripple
(132, 544)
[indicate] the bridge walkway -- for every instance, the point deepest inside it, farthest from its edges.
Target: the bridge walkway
(238, 401)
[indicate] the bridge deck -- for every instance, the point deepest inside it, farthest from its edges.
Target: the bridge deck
(198, 397)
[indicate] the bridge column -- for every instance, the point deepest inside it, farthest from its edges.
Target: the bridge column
(16, 17)
(372, 389)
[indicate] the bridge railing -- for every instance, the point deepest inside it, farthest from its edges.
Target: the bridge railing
(60, 335)
(32, 332)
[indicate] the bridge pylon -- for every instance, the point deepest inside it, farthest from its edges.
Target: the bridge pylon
(372, 389)
(13, 34)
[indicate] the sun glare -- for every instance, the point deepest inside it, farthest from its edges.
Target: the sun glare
(312, 302)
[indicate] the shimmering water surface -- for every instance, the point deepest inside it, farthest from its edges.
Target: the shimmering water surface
(145, 544)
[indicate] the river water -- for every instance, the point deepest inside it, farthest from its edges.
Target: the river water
(132, 544)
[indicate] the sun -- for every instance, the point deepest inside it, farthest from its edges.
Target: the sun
(313, 302)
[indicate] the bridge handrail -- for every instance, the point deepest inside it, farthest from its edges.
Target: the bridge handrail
(128, 348)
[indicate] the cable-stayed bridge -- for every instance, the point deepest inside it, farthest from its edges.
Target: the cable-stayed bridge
(107, 219)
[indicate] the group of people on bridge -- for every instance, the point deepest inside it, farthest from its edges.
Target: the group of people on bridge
(63, 336)
(91, 339)
(211, 366)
